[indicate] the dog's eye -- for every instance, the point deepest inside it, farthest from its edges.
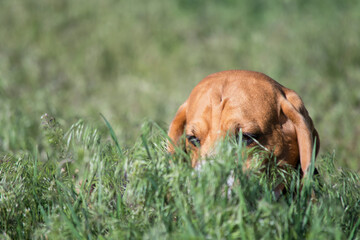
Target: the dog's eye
(193, 140)
(248, 138)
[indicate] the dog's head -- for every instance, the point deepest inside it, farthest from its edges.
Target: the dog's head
(250, 103)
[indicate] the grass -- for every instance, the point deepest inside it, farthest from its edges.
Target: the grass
(140, 61)
(85, 188)
(80, 177)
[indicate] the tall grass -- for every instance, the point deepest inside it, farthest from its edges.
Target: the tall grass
(67, 178)
(81, 186)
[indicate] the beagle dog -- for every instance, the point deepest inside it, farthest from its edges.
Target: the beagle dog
(250, 103)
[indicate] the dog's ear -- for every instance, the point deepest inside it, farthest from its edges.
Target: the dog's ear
(293, 108)
(176, 129)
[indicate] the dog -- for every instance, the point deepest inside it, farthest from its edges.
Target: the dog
(249, 103)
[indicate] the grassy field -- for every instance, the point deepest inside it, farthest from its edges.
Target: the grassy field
(135, 62)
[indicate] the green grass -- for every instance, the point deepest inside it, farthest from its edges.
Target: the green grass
(135, 63)
(80, 186)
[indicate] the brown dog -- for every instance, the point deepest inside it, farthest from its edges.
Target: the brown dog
(266, 112)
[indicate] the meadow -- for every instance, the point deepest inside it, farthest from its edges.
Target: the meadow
(88, 88)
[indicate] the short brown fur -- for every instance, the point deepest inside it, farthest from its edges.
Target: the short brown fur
(226, 101)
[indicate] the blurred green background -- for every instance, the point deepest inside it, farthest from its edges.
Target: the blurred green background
(136, 60)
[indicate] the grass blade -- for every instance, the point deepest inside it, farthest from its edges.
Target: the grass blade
(113, 136)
